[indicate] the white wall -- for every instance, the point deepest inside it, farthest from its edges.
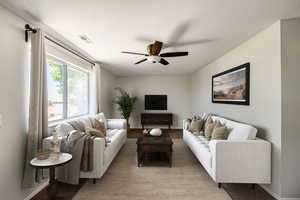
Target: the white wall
(14, 71)
(263, 52)
(290, 108)
(176, 87)
(108, 83)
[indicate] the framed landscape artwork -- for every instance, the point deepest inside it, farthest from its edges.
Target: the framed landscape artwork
(232, 86)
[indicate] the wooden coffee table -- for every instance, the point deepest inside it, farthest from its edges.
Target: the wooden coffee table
(154, 144)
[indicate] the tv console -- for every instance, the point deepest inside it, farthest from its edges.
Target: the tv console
(156, 119)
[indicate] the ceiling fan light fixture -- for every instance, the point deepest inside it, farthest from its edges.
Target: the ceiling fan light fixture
(154, 59)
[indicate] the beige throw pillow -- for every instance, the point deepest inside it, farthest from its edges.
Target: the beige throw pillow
(100, 125)
(196, 125)
(219, 133)
(208, 120)
(209, 129)
(77, 125)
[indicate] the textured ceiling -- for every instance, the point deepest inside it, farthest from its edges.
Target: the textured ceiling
(213, 27)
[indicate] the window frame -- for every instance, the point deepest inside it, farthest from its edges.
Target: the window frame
(66, 65)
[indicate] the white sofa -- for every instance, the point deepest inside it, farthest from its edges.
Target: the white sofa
(103, 155)
(242, 158)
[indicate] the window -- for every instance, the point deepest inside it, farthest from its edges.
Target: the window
(68, 90)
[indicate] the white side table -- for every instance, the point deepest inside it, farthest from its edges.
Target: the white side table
(51, 164)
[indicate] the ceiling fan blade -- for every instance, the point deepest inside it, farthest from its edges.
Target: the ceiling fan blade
(141, 61)
(141, 54)
(174, 54)
(145, 39)
(186, 43)
(163, 61)
(179, 31)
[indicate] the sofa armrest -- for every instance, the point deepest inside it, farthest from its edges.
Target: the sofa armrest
(241, 161)
(116, 124)
(98, 160)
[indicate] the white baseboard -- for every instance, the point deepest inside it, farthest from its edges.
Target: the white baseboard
(37, 189)
(276, 196)
(290, 199)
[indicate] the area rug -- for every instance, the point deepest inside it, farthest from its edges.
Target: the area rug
(186, 180)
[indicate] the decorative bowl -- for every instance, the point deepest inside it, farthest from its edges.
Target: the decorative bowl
(156, 132)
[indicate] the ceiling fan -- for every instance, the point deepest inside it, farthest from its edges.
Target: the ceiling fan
(154, 55)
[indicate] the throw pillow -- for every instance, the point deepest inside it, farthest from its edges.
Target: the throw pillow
(102, 117)
(219, 133)
(196, 125)
(63, 129)
(208, 120)
(218, 124)
(209, 129)
(78, 125)
(99, 125)
(86, 122)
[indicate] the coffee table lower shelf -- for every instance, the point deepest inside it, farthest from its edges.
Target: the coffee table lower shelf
(149, 145)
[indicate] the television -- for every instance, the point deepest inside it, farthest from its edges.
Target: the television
(156, 102)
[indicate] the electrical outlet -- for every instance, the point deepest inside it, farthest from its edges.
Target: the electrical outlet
(1, 121)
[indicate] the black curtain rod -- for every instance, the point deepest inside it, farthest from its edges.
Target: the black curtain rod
(30, 29)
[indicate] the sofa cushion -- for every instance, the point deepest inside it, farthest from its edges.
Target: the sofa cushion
(114, 145)
(242, 132)
(205, 156)
(111, 132)
(63, 129)
(203, 140)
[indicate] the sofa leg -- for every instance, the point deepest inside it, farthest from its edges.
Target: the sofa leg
(94, 181)
(219, 185)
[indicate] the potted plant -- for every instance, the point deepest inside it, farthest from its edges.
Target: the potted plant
(125, 104)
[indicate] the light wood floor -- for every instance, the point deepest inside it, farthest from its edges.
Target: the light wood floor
(235, 191)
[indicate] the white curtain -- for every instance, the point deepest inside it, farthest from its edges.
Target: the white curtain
(98, 86)
(94, 89)
(38, 115)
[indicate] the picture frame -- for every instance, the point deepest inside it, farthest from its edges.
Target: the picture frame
(232, 86)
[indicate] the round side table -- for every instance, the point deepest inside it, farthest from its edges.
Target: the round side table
(51, 164)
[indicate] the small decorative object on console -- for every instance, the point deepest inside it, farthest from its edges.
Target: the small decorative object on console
(156, 132)
(145, 132)
(55, 147)
(43, 155)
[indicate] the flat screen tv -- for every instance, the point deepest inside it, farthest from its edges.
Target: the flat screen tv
(156, 102)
